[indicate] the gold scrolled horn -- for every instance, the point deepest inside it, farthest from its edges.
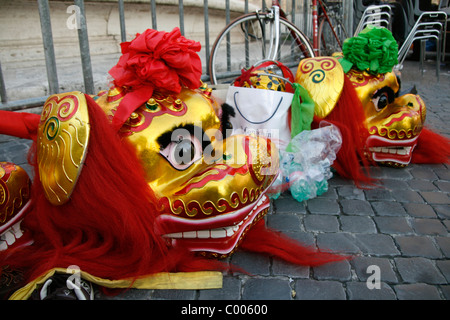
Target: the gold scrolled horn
(63, 136)
(323, 78)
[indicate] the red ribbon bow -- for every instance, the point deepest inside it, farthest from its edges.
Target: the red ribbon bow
(154, 60)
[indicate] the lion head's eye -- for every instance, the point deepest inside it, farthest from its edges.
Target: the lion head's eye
(381, 101)
(183, 151)
(382, 98)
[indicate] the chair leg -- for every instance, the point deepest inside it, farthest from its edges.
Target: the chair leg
(438, 58)
(422, 54)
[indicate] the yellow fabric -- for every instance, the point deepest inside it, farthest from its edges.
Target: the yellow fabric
(164, 280)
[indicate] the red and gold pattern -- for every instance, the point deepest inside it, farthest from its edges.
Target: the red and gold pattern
(394, 122)
(62, 143)
(208, 203)
(14, 191)
(324, 79)
(14, 199)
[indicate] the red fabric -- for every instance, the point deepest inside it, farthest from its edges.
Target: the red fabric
(263, 240)
(106, 228)
(348, 116)
(19, 124)
(431, 148)
(155, 60)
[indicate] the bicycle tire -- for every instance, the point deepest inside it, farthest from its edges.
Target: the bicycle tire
(328, 43)
(227, 59)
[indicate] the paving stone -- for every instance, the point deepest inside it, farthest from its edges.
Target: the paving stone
(390, 173)
(417, 246)
(421, 185)
(360, 291)
(419, 270)
(333, 271)
(435, 197)
(322, 223)
(393, 225)
(305, 238)
(256, 289)
(422, 172)
(323, 206)
(330, 194)
(284, 222)
(407, 196)
(444, 267)
(287, 204)
(173, 294)
(231, 290)
(307, 289)
(393, 184)
(443, 174)
(388, 208)
(361, 264)
(443, 211)
(283, 268)
(337, 242)
(447, 224)
(339, 181)
(252, 263)
(446, 291)
(417, 291)
(378, 194)
(376, 244)
(356, 207)
(429, 226)
(357, 224)
(444, 186)
(350, 192)
(420, 210)
(444, 245)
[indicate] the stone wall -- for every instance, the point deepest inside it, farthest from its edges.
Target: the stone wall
(21, 39)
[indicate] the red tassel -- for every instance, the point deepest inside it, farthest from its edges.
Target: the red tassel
(348, 116)
(431, 148)
(106, 228)
(262, 240)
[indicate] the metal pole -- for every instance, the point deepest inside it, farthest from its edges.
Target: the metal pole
(227, 21)
(123, 34)
(347, 16)
(153, 7)
(293, 12)
(205, 9)
(4, 97)
(84, 50)
(49, 50)
(181, 14)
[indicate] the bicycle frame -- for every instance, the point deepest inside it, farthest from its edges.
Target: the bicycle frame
(315, 16)
(273, 47)
(278, 12)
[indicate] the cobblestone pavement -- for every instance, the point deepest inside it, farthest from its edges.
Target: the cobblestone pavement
(401, 228)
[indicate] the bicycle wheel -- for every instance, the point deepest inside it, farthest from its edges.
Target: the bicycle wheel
(250, 39)
(328, 44)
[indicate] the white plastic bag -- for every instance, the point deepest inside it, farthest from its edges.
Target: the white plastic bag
(261, 112)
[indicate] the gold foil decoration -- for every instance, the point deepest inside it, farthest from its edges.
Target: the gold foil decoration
(323, 77)
(14, 190)
(62, 143)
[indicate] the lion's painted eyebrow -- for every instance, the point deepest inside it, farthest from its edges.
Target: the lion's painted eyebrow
(388, 90)
(171, 135)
